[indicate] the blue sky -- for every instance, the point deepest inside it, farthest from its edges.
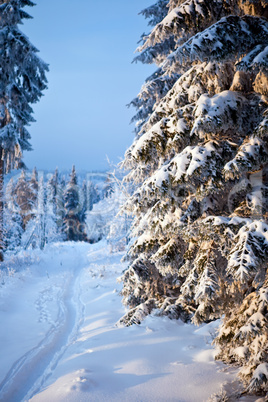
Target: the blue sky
(89, 47)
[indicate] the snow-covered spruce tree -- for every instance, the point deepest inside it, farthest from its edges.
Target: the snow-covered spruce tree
(200, 240)
(55, 200)
(53, 211)
(74, 228)
(22, 83)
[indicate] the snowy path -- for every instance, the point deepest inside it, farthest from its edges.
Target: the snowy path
(56, 308)
(59, 341)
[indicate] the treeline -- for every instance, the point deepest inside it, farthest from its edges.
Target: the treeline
(41, 209)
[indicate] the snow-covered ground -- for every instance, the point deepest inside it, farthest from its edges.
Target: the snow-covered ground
(59, 341)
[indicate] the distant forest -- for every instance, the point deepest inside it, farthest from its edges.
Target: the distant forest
(42, 208)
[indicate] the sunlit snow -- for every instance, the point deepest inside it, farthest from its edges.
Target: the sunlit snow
(60, 342)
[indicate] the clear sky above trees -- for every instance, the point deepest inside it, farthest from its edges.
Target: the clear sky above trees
(89, 46)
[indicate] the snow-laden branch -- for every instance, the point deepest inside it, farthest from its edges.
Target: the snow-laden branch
(230, 37)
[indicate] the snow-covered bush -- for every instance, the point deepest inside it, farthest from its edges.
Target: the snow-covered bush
(95, 226)
(106, 220)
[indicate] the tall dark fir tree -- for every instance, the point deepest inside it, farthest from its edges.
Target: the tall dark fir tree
(22, 82)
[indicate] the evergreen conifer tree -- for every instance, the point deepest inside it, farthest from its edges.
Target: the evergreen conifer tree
(200, 162)
(74, 228)
(22, 83)
(55, 202)
(53, 211)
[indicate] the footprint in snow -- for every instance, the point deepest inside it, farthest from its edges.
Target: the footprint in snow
(82, 382)
(41, 304)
